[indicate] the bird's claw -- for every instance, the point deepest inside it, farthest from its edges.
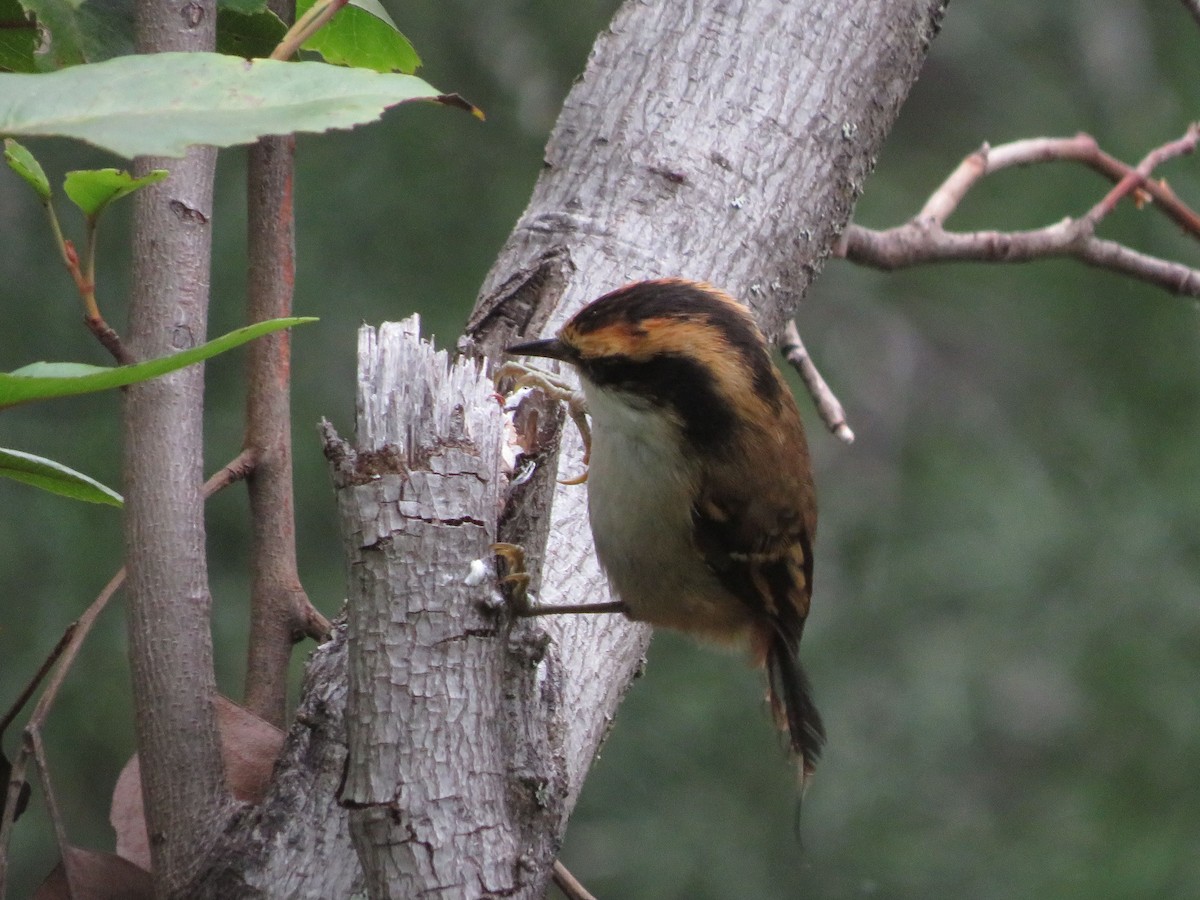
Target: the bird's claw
(559, 390)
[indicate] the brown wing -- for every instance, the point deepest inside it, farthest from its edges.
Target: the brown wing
(761, 552)
(757, 540)
(756, 532)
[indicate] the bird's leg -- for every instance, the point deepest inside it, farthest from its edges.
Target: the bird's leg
(516, 580)
(555, 389)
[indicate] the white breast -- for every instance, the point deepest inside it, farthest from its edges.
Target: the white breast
(640, 492)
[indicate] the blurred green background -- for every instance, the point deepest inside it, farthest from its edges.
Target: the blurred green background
(1005, 639)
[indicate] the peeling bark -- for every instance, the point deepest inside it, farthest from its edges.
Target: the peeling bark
(418, 494)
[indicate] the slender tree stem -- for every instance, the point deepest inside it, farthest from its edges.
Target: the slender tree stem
(280, 612)
(170, 637)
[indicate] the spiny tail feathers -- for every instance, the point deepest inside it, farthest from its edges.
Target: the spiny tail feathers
(792, 705)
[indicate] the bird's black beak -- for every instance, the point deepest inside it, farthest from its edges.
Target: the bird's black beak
(551, 349)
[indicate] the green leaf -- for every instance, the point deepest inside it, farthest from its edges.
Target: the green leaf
(93, 189)
(81, 31)
(24, 164)
(18, 38)
(43, 380)
(362, 34)
(249, 35)
(55, 477)
(159, 104)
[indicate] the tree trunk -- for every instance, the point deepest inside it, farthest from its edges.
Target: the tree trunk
(168, 610)
(709, 139)
(419, 493)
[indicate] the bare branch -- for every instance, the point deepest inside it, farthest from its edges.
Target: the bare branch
(1139, 179)
(240, 467)
(828, 405)
(33, 740)
(569, 884)
(108, 338)
(1171, 276)
(1082, 149)
(923, 240)
(32, 686)
(912, 245)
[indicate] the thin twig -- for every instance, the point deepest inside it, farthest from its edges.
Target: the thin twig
(828, 406)
(1082, 148)
(91, 225)
(16, 781)
(36, 680)
(569, 884)
(109, 340)
(923, 239)
(85, 281)
(79, 630)
(33, 738)
(1139, 179)
(237, 469)
(66, 249)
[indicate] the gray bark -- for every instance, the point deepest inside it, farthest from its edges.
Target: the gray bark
(721, 141)
(712, 139)
(419, 494)
(170, 640)
(296, 843)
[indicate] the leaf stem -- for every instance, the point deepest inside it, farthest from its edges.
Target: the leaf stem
(89, 272)
(65, 251)
(306, 26)
(85, 283)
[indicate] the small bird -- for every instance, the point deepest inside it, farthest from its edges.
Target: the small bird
(700, 491)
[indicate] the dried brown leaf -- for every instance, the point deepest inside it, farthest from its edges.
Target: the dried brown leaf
(249, 748)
